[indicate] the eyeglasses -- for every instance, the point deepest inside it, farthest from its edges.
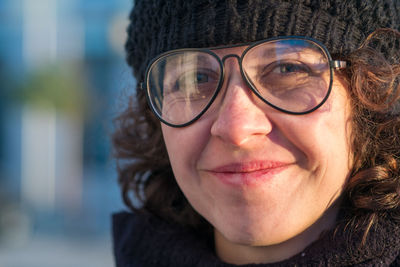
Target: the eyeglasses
(291, 74)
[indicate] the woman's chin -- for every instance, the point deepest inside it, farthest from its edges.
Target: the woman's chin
(254, 234)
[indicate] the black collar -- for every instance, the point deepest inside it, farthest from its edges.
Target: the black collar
(145, 240)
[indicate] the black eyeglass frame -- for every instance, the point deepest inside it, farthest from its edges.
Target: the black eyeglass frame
(333, 64)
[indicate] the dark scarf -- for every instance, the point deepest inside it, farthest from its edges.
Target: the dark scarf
(142, 240)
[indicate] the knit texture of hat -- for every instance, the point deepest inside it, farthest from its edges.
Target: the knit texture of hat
(157, 26)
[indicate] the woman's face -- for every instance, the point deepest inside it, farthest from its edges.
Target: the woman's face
(260, 176)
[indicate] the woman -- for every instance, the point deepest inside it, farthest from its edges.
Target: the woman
(275, 140)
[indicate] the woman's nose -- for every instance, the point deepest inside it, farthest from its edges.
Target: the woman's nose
(242, 117)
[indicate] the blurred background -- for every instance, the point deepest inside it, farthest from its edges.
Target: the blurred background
(62, 81)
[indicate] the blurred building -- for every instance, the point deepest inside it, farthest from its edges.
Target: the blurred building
(62, 80)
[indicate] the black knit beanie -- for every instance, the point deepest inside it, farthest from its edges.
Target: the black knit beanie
(161, 25)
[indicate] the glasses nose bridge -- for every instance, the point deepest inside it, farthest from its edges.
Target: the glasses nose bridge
(228, 56)
(224, 58)
(241, 75)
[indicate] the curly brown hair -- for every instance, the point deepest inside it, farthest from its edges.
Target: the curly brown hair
(373, 188)
(373, 79)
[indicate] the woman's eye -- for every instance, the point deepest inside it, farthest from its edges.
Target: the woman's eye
(195, 78)
(285, 77)
(290, 68)
(201, 78)
(193, 85)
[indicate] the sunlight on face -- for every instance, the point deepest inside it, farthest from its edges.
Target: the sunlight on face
(259, 176)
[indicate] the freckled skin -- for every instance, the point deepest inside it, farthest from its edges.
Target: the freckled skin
(280, 217)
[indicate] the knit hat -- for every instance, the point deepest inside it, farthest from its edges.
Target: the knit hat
(161, 25)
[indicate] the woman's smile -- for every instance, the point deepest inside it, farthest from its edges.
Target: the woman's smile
(248, 173)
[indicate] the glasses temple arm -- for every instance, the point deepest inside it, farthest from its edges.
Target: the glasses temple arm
(339, 64)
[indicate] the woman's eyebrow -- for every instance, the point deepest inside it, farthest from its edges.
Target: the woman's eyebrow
(190, 58)
(287, 49)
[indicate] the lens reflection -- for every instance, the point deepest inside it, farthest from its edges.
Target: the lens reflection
(183, 84)
(291, 75)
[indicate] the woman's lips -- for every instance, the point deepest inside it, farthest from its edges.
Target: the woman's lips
(248, 173)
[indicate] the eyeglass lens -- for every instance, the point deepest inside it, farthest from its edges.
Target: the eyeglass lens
(292, 75)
